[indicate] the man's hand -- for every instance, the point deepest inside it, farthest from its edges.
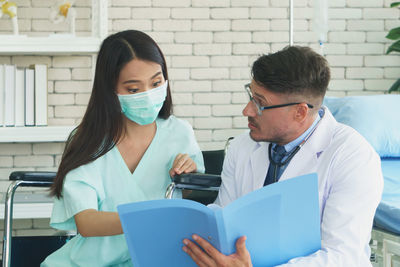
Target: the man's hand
(212, 257)
(182, 164)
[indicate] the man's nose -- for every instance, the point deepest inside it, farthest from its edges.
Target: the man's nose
(250, 110)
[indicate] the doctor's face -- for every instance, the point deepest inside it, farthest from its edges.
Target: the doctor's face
(273, 125)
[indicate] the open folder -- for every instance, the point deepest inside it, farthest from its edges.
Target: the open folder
(281, 221)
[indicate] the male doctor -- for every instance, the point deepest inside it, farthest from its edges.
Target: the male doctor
(291, 134)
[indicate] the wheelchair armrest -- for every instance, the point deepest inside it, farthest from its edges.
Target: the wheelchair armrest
(198, 179)
(33, 176)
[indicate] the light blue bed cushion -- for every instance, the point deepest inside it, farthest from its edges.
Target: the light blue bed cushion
(387, 215)
(376, 117)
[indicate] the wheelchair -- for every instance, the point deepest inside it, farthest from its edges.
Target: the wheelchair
(33, 248)
(202, 188)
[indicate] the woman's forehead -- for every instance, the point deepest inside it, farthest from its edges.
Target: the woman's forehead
(140, 70)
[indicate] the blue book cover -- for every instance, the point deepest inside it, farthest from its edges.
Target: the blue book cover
(281, 221)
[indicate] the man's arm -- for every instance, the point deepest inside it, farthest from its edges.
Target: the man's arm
(355, 191)
(227, 192)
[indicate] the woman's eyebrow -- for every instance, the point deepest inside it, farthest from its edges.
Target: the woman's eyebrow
(155, 75)
(131, 81)
(137, 81)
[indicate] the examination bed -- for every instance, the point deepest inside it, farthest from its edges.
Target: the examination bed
(385, 238)
(388, 213)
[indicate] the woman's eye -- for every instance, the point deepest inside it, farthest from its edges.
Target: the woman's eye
(156, 83)
(132, 90)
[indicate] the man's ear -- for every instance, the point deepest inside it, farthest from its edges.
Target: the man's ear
(301, 112)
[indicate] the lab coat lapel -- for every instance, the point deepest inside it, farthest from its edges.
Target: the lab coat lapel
(259, 164)
(306, 160)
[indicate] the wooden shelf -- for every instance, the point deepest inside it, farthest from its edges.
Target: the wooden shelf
(35, 134)
(29, 210)
(52, 45)
(28, 206)
(62, 43)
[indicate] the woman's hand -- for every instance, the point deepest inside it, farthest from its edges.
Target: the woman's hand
(182, 164)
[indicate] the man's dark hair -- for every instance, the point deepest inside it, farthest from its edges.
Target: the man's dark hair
(295, 70)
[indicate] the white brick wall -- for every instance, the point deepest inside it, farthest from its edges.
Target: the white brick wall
(210, 47)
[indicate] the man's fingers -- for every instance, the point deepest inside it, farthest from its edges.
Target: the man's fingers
(191, 254)
(209, 249)
(194, 257)
(197, 254)
(241, 245)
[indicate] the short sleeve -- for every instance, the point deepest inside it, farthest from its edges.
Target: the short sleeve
(77, 195)
(196, 155)
(193, 148)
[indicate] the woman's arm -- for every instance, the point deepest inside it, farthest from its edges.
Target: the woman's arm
(91, 222)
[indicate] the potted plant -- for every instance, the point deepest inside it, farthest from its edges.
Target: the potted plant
(394, 34)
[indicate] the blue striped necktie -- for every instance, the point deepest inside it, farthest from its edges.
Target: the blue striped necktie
(274, 171)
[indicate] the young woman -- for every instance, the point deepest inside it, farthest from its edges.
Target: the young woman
(124, 150)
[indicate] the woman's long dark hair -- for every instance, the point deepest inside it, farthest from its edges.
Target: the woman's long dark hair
(102, 125)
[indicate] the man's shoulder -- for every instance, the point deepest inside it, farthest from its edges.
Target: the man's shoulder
(243, 138)
(243, 143)
(337, 136)
(347, 145)
(345, 135)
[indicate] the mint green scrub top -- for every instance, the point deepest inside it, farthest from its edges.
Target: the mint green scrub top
(106, 183)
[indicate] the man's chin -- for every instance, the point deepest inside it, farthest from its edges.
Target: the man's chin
(258, 138)
(254, 136)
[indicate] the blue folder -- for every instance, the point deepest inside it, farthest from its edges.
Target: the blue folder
(281, 221)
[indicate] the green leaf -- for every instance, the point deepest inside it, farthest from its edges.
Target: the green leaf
(394, 34)
(395, 4)
(394, 47)
(395, 87)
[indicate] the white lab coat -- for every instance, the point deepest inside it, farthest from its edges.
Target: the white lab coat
(350, 187)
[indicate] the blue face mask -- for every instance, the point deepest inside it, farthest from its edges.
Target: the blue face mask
(143, 108)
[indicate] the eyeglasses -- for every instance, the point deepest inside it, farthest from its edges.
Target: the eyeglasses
(261, 108)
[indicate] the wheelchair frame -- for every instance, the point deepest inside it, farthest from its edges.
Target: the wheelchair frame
(23, 179)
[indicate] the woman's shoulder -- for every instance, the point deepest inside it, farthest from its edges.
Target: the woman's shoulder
(173, 123)
(91, 169)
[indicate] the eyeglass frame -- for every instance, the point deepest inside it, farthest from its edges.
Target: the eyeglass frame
(261, 108)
